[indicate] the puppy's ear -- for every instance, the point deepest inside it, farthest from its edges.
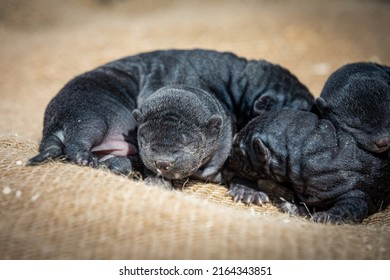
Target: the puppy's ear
(265, 103)
(138, 116)
(321, 105)
(214, 124)
(263, 154)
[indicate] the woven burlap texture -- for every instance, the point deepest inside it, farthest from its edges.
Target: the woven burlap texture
(63, 211)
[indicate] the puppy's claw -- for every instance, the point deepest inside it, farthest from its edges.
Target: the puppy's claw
(328, 218)
(247, 195)
(86, 159)
(261, 198)
(290, 208)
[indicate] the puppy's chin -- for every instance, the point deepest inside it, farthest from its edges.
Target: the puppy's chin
(172, 174)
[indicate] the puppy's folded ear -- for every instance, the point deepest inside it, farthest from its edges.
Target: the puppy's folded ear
(265, 103)
(138, 116)
(321, 105)
(263, 154)
(214, 124)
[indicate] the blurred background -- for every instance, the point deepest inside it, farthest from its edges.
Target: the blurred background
(44, 43)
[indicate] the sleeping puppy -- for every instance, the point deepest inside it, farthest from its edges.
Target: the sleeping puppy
(184, 132)
(308, 161)
(356, 98)
(90, 121)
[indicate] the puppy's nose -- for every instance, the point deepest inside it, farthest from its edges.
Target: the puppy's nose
(382, 144)
(163, 164)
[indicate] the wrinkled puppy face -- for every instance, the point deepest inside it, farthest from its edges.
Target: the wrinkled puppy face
(172, 147)
(249, 156)
(374, 138)
(370, 132)
(169, 149)
(359, 103)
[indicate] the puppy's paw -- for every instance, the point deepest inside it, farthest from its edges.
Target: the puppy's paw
(247, 195)
(79, 153)
(118, 165)
(52, 148)
(329, 218)
(289, 207)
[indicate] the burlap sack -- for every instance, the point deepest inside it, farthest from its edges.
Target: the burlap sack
(63, 211)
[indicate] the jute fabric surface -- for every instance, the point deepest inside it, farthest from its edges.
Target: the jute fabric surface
(63, 211)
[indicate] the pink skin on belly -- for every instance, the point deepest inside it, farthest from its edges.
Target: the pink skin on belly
(111, 147)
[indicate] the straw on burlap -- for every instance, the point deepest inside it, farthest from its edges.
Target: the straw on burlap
(63, 211)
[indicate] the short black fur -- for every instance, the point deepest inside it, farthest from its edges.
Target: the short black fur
(90, 121)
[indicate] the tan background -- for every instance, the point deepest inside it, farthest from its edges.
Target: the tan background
(62, 211)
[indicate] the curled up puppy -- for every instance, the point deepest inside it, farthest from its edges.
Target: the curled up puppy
(302, 161)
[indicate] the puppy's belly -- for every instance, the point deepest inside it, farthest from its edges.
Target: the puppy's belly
(113, 146)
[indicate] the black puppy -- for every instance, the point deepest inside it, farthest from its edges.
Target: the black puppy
(307, 160)
(356, 98)
(184, 132)
(90, 121)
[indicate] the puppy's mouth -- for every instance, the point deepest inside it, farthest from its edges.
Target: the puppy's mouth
(170, 174)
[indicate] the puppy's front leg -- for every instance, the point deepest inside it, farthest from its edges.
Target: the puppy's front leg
(351, 207)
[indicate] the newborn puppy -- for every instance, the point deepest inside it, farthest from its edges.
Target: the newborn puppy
(312, 162)
(183, 132)
(356, 98)
(90, 121)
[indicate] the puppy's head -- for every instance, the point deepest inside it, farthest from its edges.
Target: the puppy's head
(174, 134)
(356, 98)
